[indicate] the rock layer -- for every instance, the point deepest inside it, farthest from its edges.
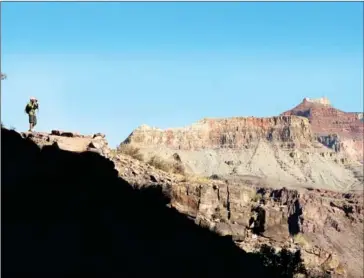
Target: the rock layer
(233, 133)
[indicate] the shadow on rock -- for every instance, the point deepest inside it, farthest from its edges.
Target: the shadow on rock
(66, 214)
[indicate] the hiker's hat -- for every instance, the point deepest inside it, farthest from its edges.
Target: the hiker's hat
(32, 98)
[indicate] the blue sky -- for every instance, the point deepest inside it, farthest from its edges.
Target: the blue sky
(110, 67)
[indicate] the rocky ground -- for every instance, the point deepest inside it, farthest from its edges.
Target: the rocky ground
(325, 226)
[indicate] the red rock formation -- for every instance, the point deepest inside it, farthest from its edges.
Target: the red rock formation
(326, 119)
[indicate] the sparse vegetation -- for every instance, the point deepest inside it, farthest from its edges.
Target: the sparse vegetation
(130, 151)
(160, 164)
(300, 240)
(340, 269)
(202, 179)
(214, 177)
(113, 152)
(176, 157)
(155, 161)
(283, 263)
(178, 169)
(166, 166)
(196, 179)
(257, 197)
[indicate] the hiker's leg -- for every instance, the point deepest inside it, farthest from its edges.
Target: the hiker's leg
(31, 122)
(34, 121)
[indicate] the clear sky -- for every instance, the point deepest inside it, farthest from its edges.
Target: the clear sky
(110, 67)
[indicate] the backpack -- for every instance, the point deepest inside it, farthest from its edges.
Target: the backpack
(27, 108)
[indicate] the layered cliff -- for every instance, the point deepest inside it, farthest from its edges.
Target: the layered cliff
(348, 127)
(232, 133)
(276, 150)
(325, 119)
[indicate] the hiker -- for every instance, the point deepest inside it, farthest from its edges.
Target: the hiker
(30, 109)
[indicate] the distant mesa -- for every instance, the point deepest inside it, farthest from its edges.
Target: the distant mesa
(322, 100)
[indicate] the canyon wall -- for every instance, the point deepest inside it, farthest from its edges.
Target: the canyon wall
(232, 133)
(312, 144)
(278, 151)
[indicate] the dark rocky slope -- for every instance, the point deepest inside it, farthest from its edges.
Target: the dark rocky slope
(70, 214)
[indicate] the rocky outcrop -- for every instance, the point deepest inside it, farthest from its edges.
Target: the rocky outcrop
(309, 218)
(325, 227)
(323, 101)
(331, 141)
(324, 118)
(315, 222)
(70, 141)
(327, 120)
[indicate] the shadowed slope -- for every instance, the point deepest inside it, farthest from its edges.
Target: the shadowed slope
(65, 213)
